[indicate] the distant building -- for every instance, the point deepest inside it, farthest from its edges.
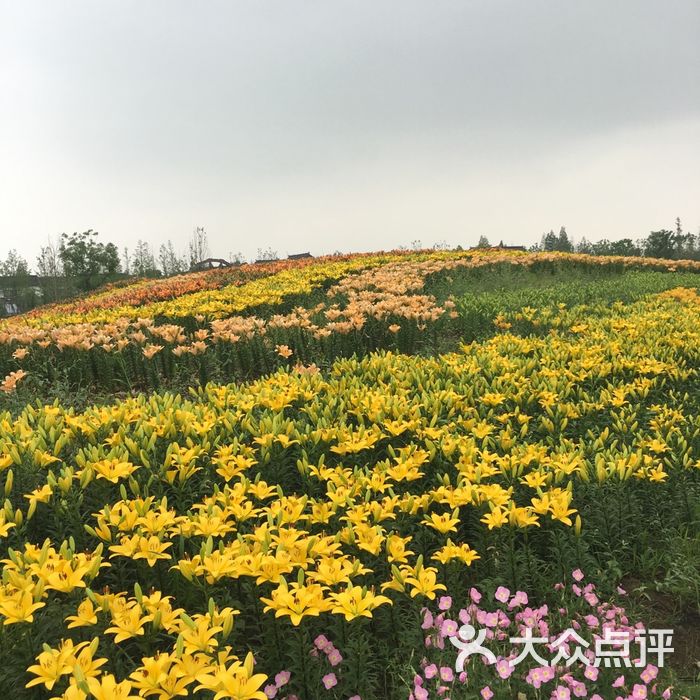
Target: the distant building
(8, 307)
(299, 256)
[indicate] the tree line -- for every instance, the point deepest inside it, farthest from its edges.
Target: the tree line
(80, 262)
(671, 244)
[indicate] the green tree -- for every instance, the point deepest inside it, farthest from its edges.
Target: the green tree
(14, 266)
(16, 284)
(143, 263)
(86, 259)
(549, 242)
(170, 262)
(199, 246)
(584, 246)
(660, 244)
(50, 270)
(626, 247)
(563, 243)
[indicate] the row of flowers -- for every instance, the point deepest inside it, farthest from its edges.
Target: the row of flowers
(154, 543)
(213, 294)
(382, 305)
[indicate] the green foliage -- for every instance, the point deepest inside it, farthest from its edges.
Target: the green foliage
(87, 259)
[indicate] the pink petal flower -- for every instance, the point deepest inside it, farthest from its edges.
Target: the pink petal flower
(502, 594)
(445, 602)
(282, 678)
(649, 673)
(446, 674)
(639, 691)
(577, 574)
(591, 673)
(321, 642)
(561, 692)
(449, 628)
(335, 657)
(504, 668)
(329, 681)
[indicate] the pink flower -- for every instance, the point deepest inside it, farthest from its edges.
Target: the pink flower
(596, 697)
(463, 677)
(504, 668)
(577, 574)
(354, 697)
(520, 598)
(591, 621)
(427, 619)
(561, 692)
(579, 689)
(547, 673)
(534, 677)
(445, 602)
(329, 681)
(431, 671)
(503, 619)
(282, 678)
(502, 594)
(639, 692)
(474, 595)
(321, 642)
(649, 673)
(420, 693)
(335, 657)
(446, 674)
(591, 673)
(486, 693)
(666, 695)
(449, 628)
(270, 691)
(618, 682)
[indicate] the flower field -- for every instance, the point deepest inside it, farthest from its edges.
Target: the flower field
(314, 473)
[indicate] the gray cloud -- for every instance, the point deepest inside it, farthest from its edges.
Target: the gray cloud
(346, 124)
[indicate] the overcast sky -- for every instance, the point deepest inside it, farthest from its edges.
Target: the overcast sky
(348, 126)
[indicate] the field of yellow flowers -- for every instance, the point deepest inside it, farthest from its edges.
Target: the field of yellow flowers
(398, 456)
